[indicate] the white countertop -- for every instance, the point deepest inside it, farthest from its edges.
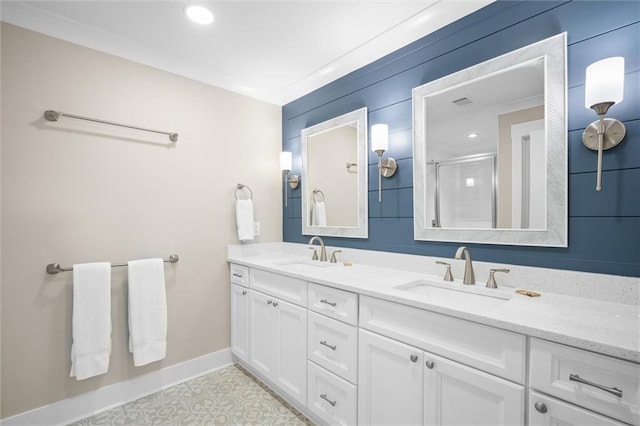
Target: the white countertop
(600, 326)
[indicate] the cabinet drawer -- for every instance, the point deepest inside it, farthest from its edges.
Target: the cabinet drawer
(286, 288)
(239, 274)
(486, 348)
(558, 370)
(331, 398)
(547, 411)
(339, 304)
(333, 345)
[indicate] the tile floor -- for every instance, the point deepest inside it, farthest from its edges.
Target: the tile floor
(229, 396)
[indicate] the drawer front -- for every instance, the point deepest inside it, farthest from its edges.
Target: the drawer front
(547, 411)
(286, 288)
(561, 371)
(339, 304)
(486, 348)
(331, 398)
(333, 345)
(239, 274)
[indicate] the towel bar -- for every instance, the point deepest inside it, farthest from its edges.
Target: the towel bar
(54, 268)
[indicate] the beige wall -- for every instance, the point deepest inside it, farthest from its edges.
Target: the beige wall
(75, 191)
(505, 121)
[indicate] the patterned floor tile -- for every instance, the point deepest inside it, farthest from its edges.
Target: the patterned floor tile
(230, 396)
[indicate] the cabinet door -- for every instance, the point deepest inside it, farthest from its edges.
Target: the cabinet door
(240, 322)
(548, 411)
(455, 394)
(390, 382)
(290, 341)
(262, 344)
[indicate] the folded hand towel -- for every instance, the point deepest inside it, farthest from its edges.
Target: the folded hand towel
(244, 219)
(319, 214)
(147, 311)
(91, 321)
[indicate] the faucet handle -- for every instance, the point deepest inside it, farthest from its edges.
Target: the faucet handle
(448, 276)
(315, 253)
(333, 256)
(491, 282)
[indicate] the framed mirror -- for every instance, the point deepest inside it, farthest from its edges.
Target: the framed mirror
(334, 177)
(490, 151)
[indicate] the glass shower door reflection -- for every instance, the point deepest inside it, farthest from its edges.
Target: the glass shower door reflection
(466, 193)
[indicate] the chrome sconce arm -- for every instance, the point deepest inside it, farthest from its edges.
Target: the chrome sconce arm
(604, 87)
(293, 180)
(380, 144)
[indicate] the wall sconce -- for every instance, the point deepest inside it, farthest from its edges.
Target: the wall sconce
(285, 166)
(604, 87)
(379, 144)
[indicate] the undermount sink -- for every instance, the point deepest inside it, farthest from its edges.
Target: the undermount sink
(303, 264)
(477, 297)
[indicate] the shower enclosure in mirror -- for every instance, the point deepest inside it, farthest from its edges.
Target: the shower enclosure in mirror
(334, 177)
(490, 162)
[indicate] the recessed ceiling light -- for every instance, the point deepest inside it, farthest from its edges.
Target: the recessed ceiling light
(199, 14)
(472, 135)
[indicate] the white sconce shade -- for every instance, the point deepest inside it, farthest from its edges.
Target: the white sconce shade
(379, 137)
(604, 82)
(285, 161)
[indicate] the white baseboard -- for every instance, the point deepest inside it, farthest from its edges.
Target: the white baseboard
(89, 403)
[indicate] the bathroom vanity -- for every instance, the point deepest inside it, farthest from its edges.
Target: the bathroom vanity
(367, 345)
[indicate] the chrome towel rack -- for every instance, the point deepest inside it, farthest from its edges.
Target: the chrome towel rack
(317, 192)
(52, 115)
(54, 268)
(239, 188)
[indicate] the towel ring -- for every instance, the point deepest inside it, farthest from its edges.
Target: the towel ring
(318, 192)
(239, 188)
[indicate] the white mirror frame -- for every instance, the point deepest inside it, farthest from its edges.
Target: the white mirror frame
(554, 50)
(362, 230)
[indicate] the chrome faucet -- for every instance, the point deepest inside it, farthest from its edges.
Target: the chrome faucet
(323, 249)
(469, 276)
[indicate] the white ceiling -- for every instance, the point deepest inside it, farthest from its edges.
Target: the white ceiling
(276, 51)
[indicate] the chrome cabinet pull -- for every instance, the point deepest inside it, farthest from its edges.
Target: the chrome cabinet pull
(413, 358)
(429, 364)
(237, 275)
(244, 292)
(324, 396)
(541, 407)
(327, 302)
(269, 302)
(324, 342)
(614, 391)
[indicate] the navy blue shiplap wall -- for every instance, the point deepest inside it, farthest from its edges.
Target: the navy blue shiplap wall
(604, 228)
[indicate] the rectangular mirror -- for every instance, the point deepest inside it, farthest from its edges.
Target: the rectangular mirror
(334, 177)
(490, 151)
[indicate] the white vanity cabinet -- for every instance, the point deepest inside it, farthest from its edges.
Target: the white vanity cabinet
(278, 343)
(333, 354)
(401, 383)
(390, 381)
(455, 394)
(269, 327)
(596, 382)
(240, 311)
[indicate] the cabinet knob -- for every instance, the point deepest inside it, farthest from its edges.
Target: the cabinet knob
(275, 304)
(244, 292)
(269, 302)
(413, 358)
(541, 407)
(429, 364)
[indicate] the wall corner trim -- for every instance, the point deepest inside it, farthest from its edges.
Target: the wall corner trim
(93, 402)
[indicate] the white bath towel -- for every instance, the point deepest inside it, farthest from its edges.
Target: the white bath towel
(244, 220)
(147, 311)
(319, 214)
(91, 320)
